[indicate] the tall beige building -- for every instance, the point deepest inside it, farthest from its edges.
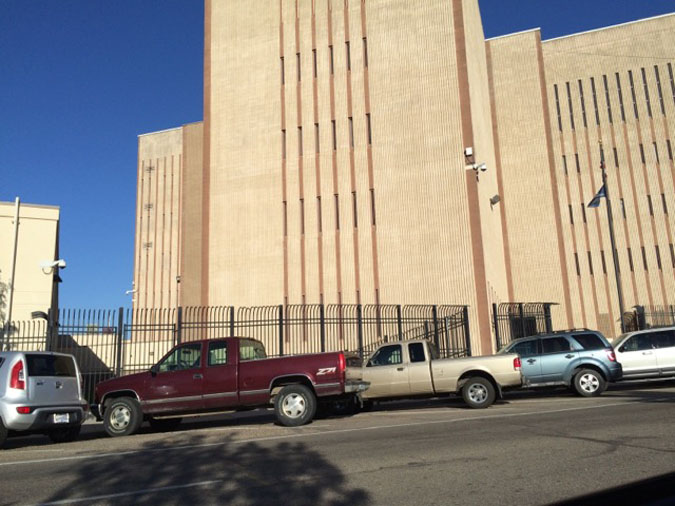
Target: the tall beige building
(341, 160)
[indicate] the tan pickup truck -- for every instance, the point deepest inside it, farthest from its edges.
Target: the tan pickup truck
(414, 369)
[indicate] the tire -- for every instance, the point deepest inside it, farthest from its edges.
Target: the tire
(3, 433)
(164, 424)
(478, 393)
(122, 417)
(344, 407)
(65, 435)
(295, 405)
(589, 383)
(367, 405)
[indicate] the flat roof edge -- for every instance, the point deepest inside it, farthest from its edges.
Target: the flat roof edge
(160, 131)
(513, 34)
(610, 26)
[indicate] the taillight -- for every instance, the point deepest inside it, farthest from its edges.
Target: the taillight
(24, 410)
(516, 364)
(16, 379)
(611, 355)
(342, 363)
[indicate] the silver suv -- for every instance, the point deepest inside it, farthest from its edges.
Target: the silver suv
(40, 392)
(647, 353)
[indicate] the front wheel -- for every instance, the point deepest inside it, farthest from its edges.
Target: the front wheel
(478, 392)
(65, 435)
(589, 383)
(122, 417)
(294, 405)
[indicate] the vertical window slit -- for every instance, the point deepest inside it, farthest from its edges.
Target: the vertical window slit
(583, 104)
(665, 204)
(590, 263)
(569, 104)
(646, 88)
(595, 102)
(658, 257)
(372, 207)
(316, 70)
(618, 86)
(604, 263)
(319, 218)
(351, 133)
(332, 66)
(349, 56)
(370, 133)
(283, 72)
(609, 105)
(651, 207)
(576, 263)
(630, 260)
(632, 93)
(297, 59)
(564, 163)
(355, 210)
(299, 141)
(365, 52)
(659, 89)
(557, 106)
(317, 138)
(337, 212)
(644, 258)
(334, 135)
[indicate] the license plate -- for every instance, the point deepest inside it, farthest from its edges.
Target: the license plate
(61, 417)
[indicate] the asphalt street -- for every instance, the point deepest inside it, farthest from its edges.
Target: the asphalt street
(530, 448)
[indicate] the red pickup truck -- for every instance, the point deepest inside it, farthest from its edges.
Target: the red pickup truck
(221, 375)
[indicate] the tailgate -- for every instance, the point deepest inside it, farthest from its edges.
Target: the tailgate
(52, 380)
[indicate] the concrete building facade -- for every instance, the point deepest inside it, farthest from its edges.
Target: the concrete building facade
(339, 162)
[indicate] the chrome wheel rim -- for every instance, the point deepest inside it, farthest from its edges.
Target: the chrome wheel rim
(589, 383)
(120, 417)
(477, 393)
(294, 406)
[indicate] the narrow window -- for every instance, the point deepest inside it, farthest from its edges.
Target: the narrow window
(576, 262)
(299, 141)
(646, 88)
(658, 88)
(618, 86)
(315, 64)
(351, 133)
(590, 263)
(658, 257)
(583, 103)
(557, 106)
(642, 154)
(632, 93)
(571, 215)
(302, 216)
(370, 134)
(583, 211)
(317, 138)
(616, 157)
(670, 149)
(355, 210)
(630, 260)
(372, 207)
(334, 135)
(609, 105)
(576, 161)
(623, 208)
(672, 255)
(565, 164)
(365, 52)
(656, 152)
(332, 67)
(615, 259)
(595, 102)
(665, 205)
(283, 72)
(349, 56)
(569, 104)
(297, 59)
(672, 82)
(651, 207)
(337, 212)
(285, 206)
(283, 144)
(644, 258)
(319, 218)
(604, 263)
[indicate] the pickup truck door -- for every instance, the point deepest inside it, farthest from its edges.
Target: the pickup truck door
(220, 376)
(177, 385)
(387, 373)
(419, 372)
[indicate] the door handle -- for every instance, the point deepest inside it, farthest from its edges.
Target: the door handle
(647, 352)
(197, 376)
(569, 355)
(531, 360)
(400, 368)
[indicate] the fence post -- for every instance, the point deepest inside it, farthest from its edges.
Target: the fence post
(522, 319)
(52, 329)
(179, 325)
(120, 341)
(467, 331)
(496, 324)
(672, 314)
(434, 313)
(400, 322)
(231, 321)
(281, 329)
(547, 317)
(322, 323)
(359, 322)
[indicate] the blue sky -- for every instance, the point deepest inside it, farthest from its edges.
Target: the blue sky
(80, 79)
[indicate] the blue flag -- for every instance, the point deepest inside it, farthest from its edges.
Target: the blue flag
(596, 200)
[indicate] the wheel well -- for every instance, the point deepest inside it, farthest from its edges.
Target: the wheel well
(588, 366)
(114, 395)
(472, 374)
(278, 383)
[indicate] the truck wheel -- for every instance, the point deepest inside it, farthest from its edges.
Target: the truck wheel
(294, 405)
(589, 383)
(122, 417)
(3, 433)
(345, 407)
(65, 435)
(164, 424)
(478, 392)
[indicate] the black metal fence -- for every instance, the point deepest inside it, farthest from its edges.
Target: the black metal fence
(645, 317)
(109, 343)
(518, 319)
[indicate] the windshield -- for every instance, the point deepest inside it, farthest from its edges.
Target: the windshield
(619, 339)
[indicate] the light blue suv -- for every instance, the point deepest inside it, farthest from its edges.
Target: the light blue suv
(580, 359)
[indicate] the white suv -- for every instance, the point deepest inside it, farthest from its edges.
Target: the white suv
(40, 392)
(647, 353)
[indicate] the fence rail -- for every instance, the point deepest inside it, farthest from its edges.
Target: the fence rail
(518, 319)
(109, 343)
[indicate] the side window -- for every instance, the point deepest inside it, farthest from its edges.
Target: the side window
(387, 355)
(217, 353)
(639, 342)
(416, 352)
(527, 348)
(249, 349)
(589, 341)
(665, 339)
(555, 345)
(188, 356)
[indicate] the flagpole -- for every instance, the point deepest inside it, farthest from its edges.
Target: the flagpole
(615, 255)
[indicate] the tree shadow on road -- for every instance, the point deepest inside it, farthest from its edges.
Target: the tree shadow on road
(195, 471)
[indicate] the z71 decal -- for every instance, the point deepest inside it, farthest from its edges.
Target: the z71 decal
(325, 370)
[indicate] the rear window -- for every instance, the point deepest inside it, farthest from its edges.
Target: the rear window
(589, 341)
(50, 365)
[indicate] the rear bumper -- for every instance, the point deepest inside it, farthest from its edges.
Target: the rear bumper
(615, 373)
(356, 386)
(42, 418)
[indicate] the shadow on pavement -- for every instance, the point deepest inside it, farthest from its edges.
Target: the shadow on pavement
(196, 472)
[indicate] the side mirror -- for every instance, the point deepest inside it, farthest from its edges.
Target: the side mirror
(622, 349)
(154, 369)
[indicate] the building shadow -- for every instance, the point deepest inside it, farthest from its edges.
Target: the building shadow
(196, 471)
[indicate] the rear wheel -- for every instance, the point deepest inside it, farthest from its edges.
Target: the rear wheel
(3, 433)
(122, 417)
(65, 435)
(589, 383)
(294, 405)
(478, 392)
(164, 424)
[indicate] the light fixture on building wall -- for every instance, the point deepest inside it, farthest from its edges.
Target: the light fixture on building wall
(495, 199)
(51, 266)
(478, 167)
